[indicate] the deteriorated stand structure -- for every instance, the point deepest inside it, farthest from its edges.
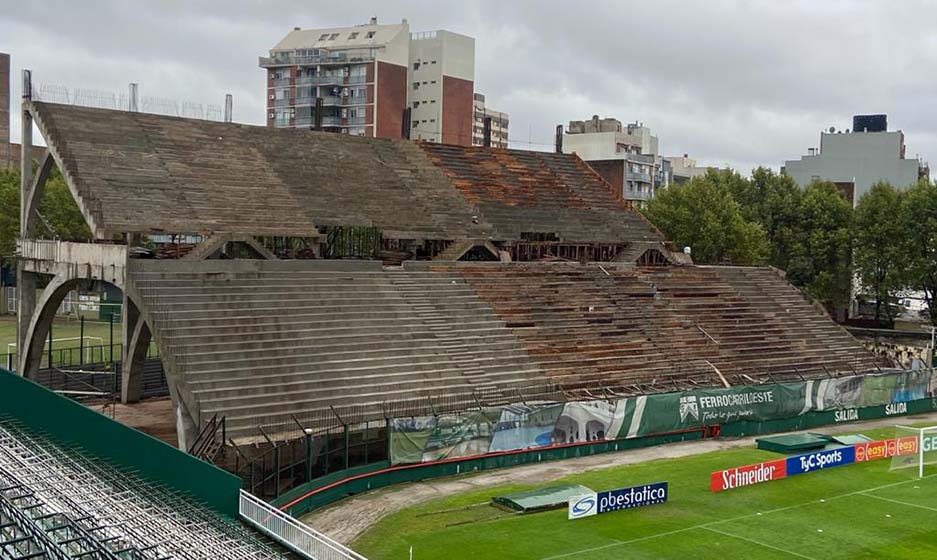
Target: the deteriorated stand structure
(263, 340)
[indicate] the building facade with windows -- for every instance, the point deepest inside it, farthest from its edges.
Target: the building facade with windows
(625, 155)
(442, 81)
(347, 79)
(856, 160)
(685, 168)
(482, 116)
(373, 80)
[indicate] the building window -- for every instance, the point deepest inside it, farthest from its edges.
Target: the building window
(323, 37)
(370, 35)
(353, 36)
(416, 85)
(432, 82)
(333, 36)
(432, 101)
(416, 65)
(416, 104)
(433, 62)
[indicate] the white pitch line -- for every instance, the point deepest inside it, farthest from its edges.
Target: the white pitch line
(705, 525)
(909, 504)
(759, 543)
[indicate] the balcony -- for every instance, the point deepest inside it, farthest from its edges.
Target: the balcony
(320, 80)
(639, 177)
(290, 59)
(332, 121)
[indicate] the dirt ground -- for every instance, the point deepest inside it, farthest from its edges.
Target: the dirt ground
(151, 416)
(346, 520)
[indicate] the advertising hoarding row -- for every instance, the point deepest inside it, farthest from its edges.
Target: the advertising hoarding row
(748, 475)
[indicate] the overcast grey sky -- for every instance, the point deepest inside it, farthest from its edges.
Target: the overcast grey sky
(729, 82)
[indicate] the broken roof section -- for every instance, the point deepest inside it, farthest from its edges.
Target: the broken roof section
(143, 173)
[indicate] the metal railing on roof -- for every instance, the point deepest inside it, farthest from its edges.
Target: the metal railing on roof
(289, 59)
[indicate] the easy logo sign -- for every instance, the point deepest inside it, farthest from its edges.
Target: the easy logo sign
(595, 503)
(809, 462)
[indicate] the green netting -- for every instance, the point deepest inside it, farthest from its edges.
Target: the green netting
(551, 497)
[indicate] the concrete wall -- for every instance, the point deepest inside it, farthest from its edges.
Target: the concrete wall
(865, 158)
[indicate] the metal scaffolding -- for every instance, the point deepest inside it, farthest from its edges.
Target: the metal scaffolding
(58, 503)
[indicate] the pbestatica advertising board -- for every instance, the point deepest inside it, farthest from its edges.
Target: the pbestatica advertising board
(594, 503)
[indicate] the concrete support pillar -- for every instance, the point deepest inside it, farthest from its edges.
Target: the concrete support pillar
(25, 308)
(25, 281)
(136, 339)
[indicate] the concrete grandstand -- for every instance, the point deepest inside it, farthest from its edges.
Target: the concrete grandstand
(365, 278)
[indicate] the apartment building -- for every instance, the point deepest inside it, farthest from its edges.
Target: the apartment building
(684, 168)
(625, 155)
(442, 81)
(373, 80)
(496, 123)
(856, 160)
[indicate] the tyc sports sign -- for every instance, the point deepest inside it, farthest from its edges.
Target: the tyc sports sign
(595, 503)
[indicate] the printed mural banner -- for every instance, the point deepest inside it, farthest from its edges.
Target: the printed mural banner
(533, 425)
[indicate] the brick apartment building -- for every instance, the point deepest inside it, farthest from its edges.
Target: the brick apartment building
(373, 80)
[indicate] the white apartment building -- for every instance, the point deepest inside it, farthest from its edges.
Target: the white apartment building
(497, 120)
(441, 78)
(626, 156)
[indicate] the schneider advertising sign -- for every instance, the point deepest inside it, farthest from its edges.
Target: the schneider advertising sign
(595, 503)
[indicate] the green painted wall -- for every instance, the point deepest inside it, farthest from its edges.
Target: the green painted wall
(69, 423)
(338, 485)
(317, 493)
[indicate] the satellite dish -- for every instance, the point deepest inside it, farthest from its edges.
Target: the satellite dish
(832, 129)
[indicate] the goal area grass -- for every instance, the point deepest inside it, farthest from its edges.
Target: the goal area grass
(864, 510)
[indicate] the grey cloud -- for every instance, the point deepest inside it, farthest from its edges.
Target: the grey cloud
(730, 82)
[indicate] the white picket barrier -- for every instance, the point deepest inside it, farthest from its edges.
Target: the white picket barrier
(290, 532)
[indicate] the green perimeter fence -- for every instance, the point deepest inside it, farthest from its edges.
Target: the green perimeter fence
(323, 466)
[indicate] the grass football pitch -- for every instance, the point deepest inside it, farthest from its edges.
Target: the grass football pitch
(854, 511)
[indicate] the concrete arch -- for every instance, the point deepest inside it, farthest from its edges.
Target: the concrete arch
(135, 340)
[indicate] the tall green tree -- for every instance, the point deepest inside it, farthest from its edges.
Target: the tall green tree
(9, 211)
(918, 219)
(56, 205)
(878, 242)
(774, 201)
(703, 215)
(820, 258)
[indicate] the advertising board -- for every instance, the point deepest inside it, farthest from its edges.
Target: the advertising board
(595, 503)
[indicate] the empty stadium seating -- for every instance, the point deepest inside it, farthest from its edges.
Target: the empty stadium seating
(262, 342)
(289, 339)
(56, 502)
